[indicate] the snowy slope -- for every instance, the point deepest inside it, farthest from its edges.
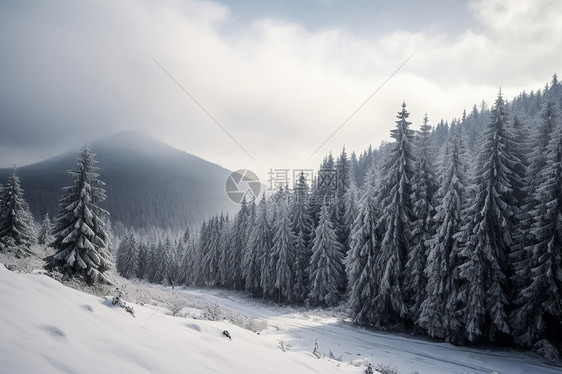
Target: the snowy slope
(46, 327)
(301, 328)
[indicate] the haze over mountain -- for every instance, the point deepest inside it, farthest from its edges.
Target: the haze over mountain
(148, 182)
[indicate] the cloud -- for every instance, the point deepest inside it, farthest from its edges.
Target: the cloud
(73, 71)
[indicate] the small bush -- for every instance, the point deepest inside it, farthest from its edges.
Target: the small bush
(175, 304)
(546, 350)
(386, 369)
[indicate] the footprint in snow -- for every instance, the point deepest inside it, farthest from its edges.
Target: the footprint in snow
(54, 331)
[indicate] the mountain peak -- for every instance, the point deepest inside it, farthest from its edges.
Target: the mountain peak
(148, 182)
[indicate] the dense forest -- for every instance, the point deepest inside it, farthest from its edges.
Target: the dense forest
(453, 230)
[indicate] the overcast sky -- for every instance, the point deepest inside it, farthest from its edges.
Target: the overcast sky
(279, 76)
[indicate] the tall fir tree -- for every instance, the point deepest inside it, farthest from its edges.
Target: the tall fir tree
(16, 221)
(361, 259)
(45, 236)
(440, 310)
(326, 272)
(343, 175)
(537, 159)
(351, 210)
(201, 245)
(424, 189)
(166, 258)
(80, 232)
(142, 261)
(302, 226)
(259, 243)
(154, 274)
(487, 234)
(224, 243)
(127, 257)
(539, 302)
(282, 259)
(185, 275)
(395, 200)
(211, 259)
(235, 253)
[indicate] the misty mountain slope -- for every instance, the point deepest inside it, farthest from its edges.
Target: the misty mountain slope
(148, 183)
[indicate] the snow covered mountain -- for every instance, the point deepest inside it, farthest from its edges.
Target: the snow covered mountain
(148, 183)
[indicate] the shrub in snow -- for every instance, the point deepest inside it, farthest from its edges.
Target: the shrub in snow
(284, 346)
(213, 312)
(546, 350)
(118, 301)
(386, 369)
(227, 334)
(316, 352)
(175, 305)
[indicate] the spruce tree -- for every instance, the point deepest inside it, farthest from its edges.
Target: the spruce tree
(439, 314)
(127, 257)
(235, 253)
(395, 202)
(259, 243)
(175, 262)
(537, 160)
(343, 175)
(185, 275)
(424, 189)
(351, 210)
(80, 232)
(302, 226)
(282, 259)
(211, 259)
(487, 234)
(267, 265)
(154, 272)
(142, 261)
(166, 258)
(225, 233)
(539, 302)
(45, 236)
(361, 259)
(201, 245)
(326, 271)
(16, 221)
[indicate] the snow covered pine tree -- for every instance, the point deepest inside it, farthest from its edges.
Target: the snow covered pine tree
(80, 232)
(16, 221)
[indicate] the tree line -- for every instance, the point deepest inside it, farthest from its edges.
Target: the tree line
(460, 244)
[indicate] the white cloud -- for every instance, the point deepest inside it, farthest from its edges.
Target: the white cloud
(277, 87)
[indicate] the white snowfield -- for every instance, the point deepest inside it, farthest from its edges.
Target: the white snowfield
(408, 355)
(46, 327)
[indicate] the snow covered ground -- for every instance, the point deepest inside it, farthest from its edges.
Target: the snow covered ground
(301, 329)
(46, 327)
(49, 328)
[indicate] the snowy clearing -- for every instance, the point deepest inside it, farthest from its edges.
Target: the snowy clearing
(301, 329)
(49, 328)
